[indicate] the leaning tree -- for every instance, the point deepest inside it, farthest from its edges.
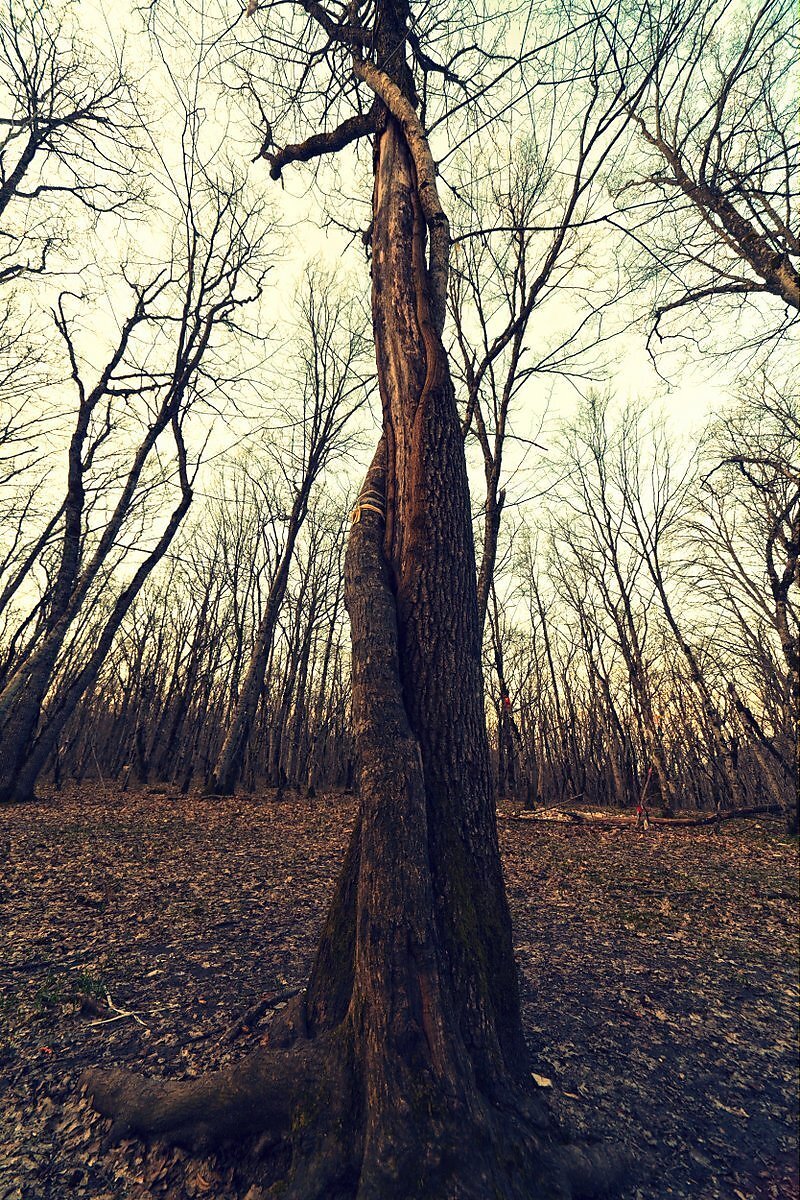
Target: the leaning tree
(402, 1070)
(710, 87)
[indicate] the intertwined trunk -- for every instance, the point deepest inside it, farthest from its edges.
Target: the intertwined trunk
(402, 1070)
(429, 546)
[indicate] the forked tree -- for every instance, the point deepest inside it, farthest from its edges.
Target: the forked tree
(402, 1069)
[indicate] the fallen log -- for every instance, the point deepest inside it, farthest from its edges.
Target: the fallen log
(622, 822)
(714, 818)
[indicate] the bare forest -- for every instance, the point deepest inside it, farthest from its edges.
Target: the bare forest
(399, 540)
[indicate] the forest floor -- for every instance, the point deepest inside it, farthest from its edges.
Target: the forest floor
(659, 977)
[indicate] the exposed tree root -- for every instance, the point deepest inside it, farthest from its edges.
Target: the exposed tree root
(256, 1011)
(310, 1096)
(260, 1093)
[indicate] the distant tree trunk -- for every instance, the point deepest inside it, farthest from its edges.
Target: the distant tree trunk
(722, 741)
(507, 736)
(778, 772)
(165, 736)
(276, 768)
(47, 737)
(228, 767)
(320, 725)
(299, 714)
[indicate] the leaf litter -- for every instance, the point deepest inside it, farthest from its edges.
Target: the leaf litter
(658, 975)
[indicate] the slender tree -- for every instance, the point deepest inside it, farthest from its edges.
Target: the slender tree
(332, 390)
(183, 307)
(652, 495)
(757, 478)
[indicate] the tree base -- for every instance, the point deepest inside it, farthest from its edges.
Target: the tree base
(306, 1106)
(15, 799)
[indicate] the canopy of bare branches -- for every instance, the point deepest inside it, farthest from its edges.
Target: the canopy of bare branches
(396, 401)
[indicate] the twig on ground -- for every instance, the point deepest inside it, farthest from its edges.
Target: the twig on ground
(119, 1014)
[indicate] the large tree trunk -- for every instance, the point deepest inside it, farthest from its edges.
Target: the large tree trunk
(406, 1073)
(400, 1072)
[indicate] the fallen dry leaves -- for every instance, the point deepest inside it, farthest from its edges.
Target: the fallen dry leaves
(658, 975)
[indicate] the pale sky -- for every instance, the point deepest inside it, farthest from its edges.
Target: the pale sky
(692, 392)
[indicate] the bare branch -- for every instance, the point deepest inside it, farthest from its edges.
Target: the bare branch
(320, 143)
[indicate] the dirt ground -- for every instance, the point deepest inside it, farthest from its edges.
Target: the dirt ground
(659, 977)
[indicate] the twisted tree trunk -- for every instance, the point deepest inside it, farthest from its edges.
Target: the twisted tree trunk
(402, 1069)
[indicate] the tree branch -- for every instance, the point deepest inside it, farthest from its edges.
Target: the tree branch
(348, 35)
(319, 143)
(721, 289)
